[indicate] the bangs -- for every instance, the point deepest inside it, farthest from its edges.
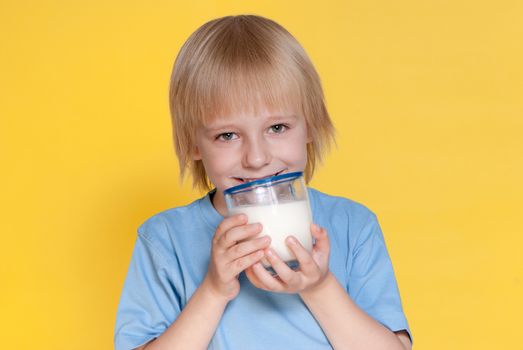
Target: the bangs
(251, 90)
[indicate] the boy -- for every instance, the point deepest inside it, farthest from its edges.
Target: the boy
(246, 103)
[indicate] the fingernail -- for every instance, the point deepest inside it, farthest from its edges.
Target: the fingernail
(268, 252)
(292, 240)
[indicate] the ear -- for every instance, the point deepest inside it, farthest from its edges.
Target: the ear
(195, 153)
(309, 136)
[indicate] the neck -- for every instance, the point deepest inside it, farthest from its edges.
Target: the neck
(218, 202)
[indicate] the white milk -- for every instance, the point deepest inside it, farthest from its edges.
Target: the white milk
(280, 221)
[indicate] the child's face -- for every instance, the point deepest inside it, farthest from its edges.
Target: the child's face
(244, 147)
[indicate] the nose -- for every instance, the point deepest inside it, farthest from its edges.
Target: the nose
(256, 153)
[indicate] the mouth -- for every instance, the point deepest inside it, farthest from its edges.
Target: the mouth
(250, 179)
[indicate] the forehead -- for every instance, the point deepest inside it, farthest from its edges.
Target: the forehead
(245, 119)
(253, 111)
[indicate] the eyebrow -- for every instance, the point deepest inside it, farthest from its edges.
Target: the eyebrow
(270, 119)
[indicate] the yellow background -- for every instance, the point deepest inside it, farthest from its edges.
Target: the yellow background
(426, 97)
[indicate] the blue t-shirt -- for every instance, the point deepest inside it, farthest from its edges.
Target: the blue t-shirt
(171, 257)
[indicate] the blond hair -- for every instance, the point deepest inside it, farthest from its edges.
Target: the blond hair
(238, 64)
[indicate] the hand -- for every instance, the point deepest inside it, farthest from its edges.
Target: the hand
(230, 254)
(313, 267)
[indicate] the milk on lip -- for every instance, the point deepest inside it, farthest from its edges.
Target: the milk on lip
(280, 221)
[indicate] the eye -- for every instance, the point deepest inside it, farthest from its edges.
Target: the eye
(278, 128)
(226, 136)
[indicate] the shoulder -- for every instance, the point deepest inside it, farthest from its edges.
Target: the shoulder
(348, 222)
(162, 231)
(339, 208)
(164, 220)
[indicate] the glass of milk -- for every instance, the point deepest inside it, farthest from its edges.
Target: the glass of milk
(281, 204)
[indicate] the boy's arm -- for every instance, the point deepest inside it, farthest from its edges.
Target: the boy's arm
(345, 324)
(230, 255)
(196, 324)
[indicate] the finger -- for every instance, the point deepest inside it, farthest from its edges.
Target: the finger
(238, 265)
(228, 223)
(251, 276)
(247, 247)
(307, 264)
(252, 273)
(321, 249)
(322, 239)
(284, 272)
(238, 233)
(265, 280)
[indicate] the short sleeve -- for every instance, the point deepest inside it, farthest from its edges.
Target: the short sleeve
(149, 302)
(372, 283)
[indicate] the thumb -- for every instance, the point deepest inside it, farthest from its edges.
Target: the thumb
(322, 240)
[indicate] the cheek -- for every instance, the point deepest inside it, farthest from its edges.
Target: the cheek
(218, 160)
(294, 153)
(302, 156)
